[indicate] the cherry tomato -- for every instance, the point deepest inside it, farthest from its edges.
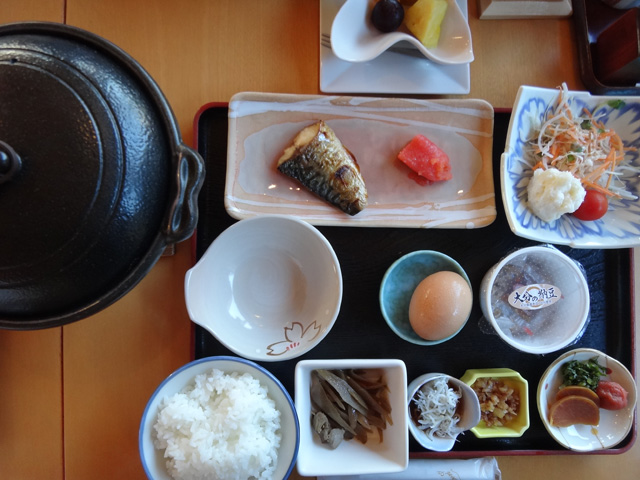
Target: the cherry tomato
(593, 207)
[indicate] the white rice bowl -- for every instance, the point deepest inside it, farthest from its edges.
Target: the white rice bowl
(223, 423)
(225, 418)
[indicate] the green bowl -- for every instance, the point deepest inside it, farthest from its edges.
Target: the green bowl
(399, 283)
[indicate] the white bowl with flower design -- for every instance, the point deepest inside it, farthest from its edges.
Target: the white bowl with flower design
(269, 288)
(620, 226)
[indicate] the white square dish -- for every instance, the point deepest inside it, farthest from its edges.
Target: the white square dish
(352, 457)
(381, 75)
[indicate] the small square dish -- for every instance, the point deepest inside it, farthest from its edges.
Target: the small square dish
(504, 393)
(620, 226)
(351, 457)
(373, 130)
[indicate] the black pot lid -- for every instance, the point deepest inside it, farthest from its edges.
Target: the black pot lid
(94, 180)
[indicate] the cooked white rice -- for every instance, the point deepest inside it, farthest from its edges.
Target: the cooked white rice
(222, 426)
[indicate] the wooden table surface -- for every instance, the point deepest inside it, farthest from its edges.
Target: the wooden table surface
(71, 398)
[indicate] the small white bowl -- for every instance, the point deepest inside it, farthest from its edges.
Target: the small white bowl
(469, 418)
(268, 288)
(553, 295)
(352, 457)
(614, 425)
(355, 39)
(153, 461)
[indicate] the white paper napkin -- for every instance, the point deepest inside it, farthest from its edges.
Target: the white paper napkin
(485, 468)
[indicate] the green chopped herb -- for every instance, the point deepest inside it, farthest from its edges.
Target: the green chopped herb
(586, 125)
(585, 374)
(571, 158)
(617, 104)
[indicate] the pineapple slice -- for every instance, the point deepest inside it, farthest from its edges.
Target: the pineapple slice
(423, 19)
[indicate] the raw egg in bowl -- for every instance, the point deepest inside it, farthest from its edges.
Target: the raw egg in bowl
(426, 297)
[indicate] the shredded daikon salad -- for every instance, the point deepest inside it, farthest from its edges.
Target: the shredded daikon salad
(436, 404)
(583, 145)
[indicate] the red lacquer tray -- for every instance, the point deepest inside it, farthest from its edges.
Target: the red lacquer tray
(361, 332)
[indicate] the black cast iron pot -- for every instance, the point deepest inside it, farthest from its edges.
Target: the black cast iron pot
(95, 181)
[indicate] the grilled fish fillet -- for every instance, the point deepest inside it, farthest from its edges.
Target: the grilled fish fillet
(318, 160)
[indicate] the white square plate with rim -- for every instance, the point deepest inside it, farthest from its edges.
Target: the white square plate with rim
(391, 72)
(374, 130)
(352, 457)
(620, 227)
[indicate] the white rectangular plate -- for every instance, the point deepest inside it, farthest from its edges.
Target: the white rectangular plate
(374, 130)
(391, 72)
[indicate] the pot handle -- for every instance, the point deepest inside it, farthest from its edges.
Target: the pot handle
(10, 162)
(188, 179)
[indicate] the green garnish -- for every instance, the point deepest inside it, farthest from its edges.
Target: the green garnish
(617, 104)
(586, 125)
(584, 374)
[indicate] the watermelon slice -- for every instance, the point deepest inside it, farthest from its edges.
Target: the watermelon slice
(428, 162)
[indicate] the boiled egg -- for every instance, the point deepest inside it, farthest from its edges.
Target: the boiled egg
(440, 305)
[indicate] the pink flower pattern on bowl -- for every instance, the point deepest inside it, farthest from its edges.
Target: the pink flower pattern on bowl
(294, 337)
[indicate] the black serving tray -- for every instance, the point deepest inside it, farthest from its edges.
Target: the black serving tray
(361, 332)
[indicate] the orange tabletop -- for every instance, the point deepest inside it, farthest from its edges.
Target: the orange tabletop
(71, 397)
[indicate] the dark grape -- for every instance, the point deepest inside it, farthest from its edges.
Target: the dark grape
(387, 15)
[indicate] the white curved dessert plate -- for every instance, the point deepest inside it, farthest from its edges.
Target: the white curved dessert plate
(392, 72)
(355, 39)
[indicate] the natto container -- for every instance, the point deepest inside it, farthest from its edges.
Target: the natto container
(536, 299)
